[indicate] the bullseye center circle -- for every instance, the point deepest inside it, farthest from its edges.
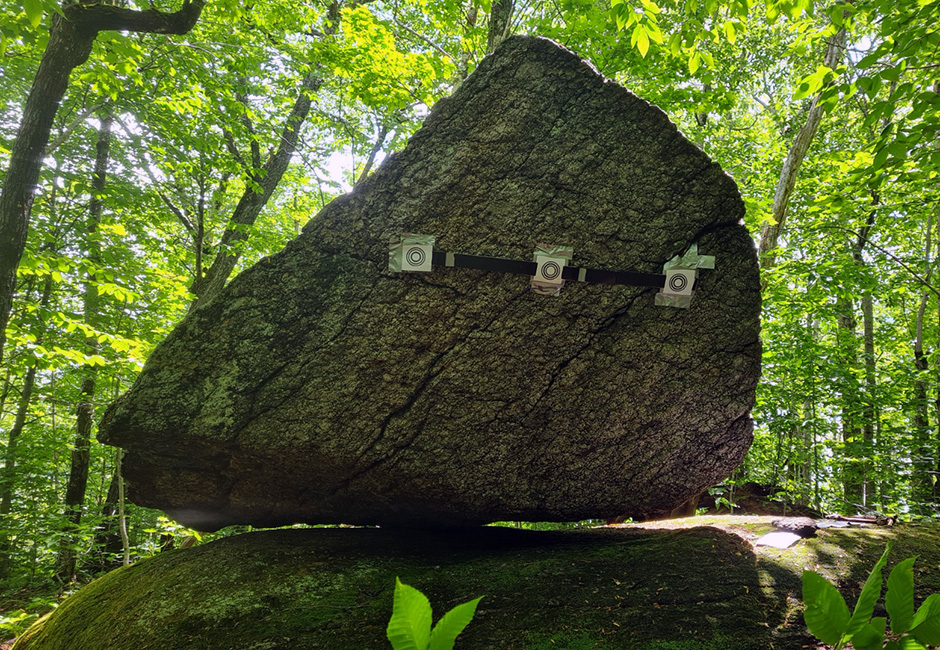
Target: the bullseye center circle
(415, 256)
(551, 270)
(678, 282)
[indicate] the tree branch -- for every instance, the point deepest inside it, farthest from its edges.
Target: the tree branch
(923, 282)
(253, 139)
(101, 17)
(59, 141)
(256, 196)
(425, 39)
(376, 148)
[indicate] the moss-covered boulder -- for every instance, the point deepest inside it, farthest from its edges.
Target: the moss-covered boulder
(690, 589)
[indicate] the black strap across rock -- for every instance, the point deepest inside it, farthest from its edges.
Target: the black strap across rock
(520, 267)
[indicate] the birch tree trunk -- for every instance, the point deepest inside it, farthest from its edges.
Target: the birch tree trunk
(789, 173)
(500, 26)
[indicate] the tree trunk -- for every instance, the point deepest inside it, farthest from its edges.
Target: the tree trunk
(791, 164)
(858, 407)
(68, 48)
(869, 404)
(70, 41)
(253, 201)
(108, 543)
(500, 25)
(8, 478)
(802, 469)
(85, 411)
(852, 478)
(936, 482)
(922, 431)
(9, 469)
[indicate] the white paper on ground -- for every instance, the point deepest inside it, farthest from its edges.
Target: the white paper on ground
(778, 539)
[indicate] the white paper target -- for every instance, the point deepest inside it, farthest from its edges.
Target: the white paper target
(549, 268)
(679, 282)
(416, 257)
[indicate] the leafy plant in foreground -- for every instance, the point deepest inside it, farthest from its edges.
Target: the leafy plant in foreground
(410, 625)
(827, 616)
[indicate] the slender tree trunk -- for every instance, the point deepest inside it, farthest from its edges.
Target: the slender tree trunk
(253, 201)
(107, 543)
(922, 432)
(936, 482)
(789, 173)
(8, 477)
(858, 406)
(122, 518)
(852, 478)
(71, 37)
(500, 23)
(9, 469)
(111, 536)
(869, 403)
(376, 148)
(802, 468)
(935, 492)
(85, 411)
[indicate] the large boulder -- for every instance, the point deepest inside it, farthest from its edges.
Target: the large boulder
(322, 387)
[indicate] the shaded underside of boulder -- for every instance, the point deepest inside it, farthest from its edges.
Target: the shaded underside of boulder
(699, 589)
(320, 387)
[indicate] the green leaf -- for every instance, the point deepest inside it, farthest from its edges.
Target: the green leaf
(880, 158)
(674, 43)
(898, 150)
(871, 592)
(642, 41)
(826, 615)
(869, 60)
(891, 74)
(926, 624)
(452, 624)
(899, 600)
(33, 10)
(835, 15)
(907, 643)
(871, 636)
(410, 625)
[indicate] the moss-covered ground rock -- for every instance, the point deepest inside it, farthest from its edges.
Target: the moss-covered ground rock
(679, 587)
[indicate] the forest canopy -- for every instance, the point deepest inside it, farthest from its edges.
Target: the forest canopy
(194, 139)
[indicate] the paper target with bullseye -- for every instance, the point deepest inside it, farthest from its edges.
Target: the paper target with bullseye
(549, 268)
(679, 282)
(417, 258)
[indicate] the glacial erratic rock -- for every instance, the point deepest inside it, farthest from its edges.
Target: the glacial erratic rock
(320, 387)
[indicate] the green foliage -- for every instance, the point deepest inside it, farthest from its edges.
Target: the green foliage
(827, 615)
(410, 625)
